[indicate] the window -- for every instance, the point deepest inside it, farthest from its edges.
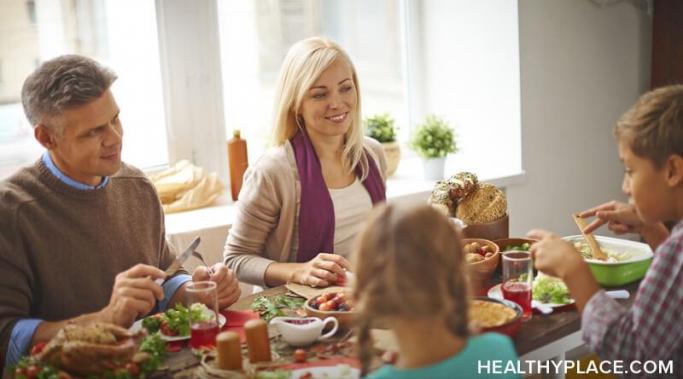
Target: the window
(256, 34)
(457, 59)
(191, 72)
(120, 34)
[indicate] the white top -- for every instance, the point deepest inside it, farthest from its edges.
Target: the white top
(352, 205)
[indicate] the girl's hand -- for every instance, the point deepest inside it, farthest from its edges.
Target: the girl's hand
(322, 271)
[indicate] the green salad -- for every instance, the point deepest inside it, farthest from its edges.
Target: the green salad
(176, 321)
(547, 289)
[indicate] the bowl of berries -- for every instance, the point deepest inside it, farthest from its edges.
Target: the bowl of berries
(332, 304)
(482, 258)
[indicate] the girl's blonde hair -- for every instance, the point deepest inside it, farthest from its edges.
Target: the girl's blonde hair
(303, 64)
(408, 264)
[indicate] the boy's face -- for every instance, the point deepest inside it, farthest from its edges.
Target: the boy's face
(646, 186)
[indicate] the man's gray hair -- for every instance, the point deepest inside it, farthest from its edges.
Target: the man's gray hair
(61, 83)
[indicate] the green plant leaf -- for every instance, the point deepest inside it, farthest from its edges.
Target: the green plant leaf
(434, 138)
(380, 127)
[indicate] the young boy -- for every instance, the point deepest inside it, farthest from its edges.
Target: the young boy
(650, 137)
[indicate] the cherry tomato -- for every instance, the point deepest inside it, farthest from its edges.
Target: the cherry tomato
(300, 356)
(331, 305)
(133, 369)
(38, 347)
(32, 372)
(165, 329)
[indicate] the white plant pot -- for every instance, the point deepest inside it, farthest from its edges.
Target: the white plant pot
(433, 168)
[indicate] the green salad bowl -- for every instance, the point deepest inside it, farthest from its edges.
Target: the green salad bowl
(636, 259)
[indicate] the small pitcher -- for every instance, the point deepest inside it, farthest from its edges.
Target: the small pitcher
(298, 331)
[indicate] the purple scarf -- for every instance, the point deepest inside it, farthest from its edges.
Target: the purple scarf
(316, 211)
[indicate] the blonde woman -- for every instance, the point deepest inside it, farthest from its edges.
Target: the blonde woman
(303, 202)
(410, 274)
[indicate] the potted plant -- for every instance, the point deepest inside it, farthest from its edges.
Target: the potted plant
(381, 128)
(433, 140)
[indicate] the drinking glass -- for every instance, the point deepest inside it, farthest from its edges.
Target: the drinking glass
(203, 330)
(518, 272)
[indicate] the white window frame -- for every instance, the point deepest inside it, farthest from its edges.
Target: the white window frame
(193, 88)
(191, 70)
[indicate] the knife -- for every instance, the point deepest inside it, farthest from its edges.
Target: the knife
(180, 259)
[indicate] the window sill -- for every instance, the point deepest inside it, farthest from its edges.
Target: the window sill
(406, 184)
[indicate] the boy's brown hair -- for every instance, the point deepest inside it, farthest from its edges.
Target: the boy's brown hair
(653, 126)
(409, 264)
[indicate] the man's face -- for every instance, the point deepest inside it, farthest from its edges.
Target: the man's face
(86, 142)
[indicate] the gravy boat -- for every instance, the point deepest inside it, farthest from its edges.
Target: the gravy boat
(298, 331)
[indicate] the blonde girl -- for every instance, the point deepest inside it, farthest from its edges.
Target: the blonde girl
(410, 274)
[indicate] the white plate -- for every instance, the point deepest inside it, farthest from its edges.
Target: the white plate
(496, 293)
(342, 371)
(138, 325)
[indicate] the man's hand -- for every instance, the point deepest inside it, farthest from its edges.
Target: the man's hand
(620, 218)
(227, 286)
(322, 271)
(134, 294)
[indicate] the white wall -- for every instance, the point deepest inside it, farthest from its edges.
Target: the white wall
(471, 79)
(581, 67)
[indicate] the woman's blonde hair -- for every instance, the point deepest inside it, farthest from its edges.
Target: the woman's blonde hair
(408, 264)
(304, 63)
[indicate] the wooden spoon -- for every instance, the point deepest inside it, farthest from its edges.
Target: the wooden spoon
(592, 243)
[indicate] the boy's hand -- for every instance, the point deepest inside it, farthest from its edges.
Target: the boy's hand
(620, 218)
(555, 256)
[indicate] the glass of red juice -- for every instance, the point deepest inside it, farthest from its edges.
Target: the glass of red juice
(203, 331)
(518, 272)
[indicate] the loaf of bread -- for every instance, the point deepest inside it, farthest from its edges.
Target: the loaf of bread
(486, 204)
(462, 184)
(440, 198)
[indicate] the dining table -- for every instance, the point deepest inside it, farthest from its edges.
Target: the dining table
(543, 337)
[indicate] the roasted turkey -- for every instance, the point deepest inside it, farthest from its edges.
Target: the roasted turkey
(92, 349)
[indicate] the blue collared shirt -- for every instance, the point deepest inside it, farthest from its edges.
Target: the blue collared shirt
(47, 160)
(23, 330)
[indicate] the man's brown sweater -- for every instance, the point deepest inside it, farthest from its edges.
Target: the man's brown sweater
(61, 248)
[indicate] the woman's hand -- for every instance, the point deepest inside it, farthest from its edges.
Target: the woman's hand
(322, 271)
(227, 287)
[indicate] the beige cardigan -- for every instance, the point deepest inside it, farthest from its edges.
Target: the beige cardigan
(268, 209)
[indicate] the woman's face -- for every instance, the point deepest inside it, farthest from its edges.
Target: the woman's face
(328, 106)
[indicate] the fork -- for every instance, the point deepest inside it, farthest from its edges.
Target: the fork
(199, 256)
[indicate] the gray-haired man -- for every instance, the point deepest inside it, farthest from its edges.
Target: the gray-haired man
(81, 233)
